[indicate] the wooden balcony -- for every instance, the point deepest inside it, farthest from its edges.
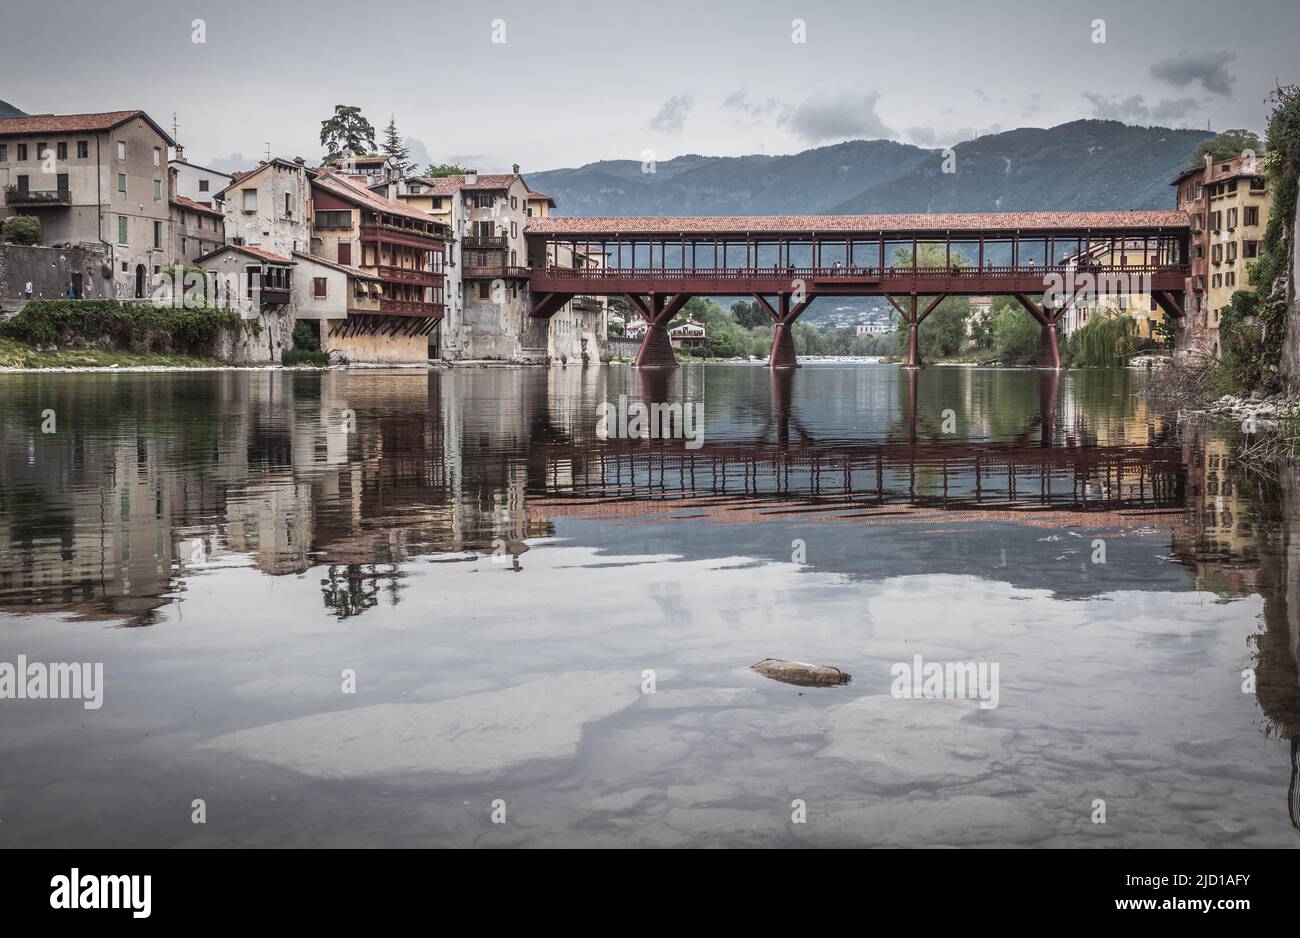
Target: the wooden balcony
(483, 244)
(391, 234)
(423, 278)
(497, 273)
(410, 308)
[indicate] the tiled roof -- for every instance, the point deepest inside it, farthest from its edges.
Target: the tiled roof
(830, 224)
(250, 251)
(344, 187)
(539, 197)
(1237, 169)
(343, 268)
(194, 206)
(72, 123)
(446, 185)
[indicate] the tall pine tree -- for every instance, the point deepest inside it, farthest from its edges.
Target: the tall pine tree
(393, 147)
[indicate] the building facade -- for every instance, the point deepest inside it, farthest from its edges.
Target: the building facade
(1228, 202)
(93, 179)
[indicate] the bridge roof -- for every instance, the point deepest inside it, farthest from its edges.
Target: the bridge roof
(987, 223)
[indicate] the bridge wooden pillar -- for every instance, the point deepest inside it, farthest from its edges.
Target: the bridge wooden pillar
(1049, 346)
(912, 358)
(783, 354)
(656, 346)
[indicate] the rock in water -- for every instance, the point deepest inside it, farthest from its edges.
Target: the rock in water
(801, 673)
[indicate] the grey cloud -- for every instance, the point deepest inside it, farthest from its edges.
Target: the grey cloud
(932, 137)
(1208, 68)
(1135, 110)
(672, 115)
(748, 111)
(839, 117)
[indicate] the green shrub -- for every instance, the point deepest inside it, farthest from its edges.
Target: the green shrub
(300, 356)
(136, 327)
(22, 229)
(306, 336)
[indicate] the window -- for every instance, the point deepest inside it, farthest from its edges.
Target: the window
(345, 253)
(24, 183)
(22, 152)
(1251, 215)
(514, 203)
(203, 185)
(1216, 281)
(334, 219)
(121, 229)
(61, 182)
(1232, 186)
(1250, 249)
(1232, 218)
(1232, 251)
(157, 190)
(4, 153)
(83, 149)
(1216, 253)
(514, 230)
(1258, 184)
(157, 156)
(158, 235)
(1230, 280)
(121, 183)
(41, 150)
(61, 151)
(483, 289)
(250, 200)
(121, 149)
(318, 287)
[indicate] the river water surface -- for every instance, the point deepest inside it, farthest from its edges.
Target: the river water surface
(414, 608)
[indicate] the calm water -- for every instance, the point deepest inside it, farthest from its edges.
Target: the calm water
(501, 585)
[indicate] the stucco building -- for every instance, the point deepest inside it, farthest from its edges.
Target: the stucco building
(1228, 201)
(93, 179)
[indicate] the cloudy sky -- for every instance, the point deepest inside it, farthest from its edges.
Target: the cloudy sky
(574, 82)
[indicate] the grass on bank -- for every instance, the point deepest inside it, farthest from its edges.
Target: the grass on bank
(21, 355)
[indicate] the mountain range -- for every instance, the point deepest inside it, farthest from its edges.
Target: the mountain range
(1082, 165)
(8, 110)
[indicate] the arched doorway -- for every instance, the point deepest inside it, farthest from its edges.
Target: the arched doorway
(139, 281)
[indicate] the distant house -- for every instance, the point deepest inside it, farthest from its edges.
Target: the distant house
(636, 327)
(690, 334)
(873, 328)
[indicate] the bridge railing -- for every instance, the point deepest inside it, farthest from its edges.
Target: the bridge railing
(853, 273)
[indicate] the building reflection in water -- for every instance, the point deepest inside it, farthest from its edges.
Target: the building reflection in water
(154, 478)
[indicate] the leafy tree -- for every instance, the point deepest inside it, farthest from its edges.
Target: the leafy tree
(438, 170)
(1228, 144)
(347, 133)
(1015, 332)
(22, 229)
(1105, 342)
(751, 315)
(393, 148)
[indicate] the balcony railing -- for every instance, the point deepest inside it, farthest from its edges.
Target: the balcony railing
(498, 273)
(38, 197)
(474, 243)
(396, 235)
(410, 308)
(848, 273)
(425, 278)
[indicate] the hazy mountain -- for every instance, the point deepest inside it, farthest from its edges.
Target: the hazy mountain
(1086, 164)
(811, 181)
(1083, 165)
(8, 110)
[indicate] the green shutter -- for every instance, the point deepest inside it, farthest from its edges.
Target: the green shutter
(121, 229)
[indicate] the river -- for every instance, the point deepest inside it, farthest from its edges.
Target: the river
(406, 608)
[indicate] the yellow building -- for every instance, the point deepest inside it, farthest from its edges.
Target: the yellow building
(1122, 291)
(1228, 201)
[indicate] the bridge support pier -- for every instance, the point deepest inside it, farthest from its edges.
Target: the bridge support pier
(656, 347)
(1049, 346)
(912, 358)
(783, 315)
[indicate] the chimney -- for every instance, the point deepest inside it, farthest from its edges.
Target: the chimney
(180, 153)
(471, 177)
(300, 161)
(515, 169)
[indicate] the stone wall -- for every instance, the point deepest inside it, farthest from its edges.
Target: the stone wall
(50, 271)
(261, 342)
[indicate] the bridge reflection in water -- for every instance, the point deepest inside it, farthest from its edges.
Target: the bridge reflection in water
(913, 466)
